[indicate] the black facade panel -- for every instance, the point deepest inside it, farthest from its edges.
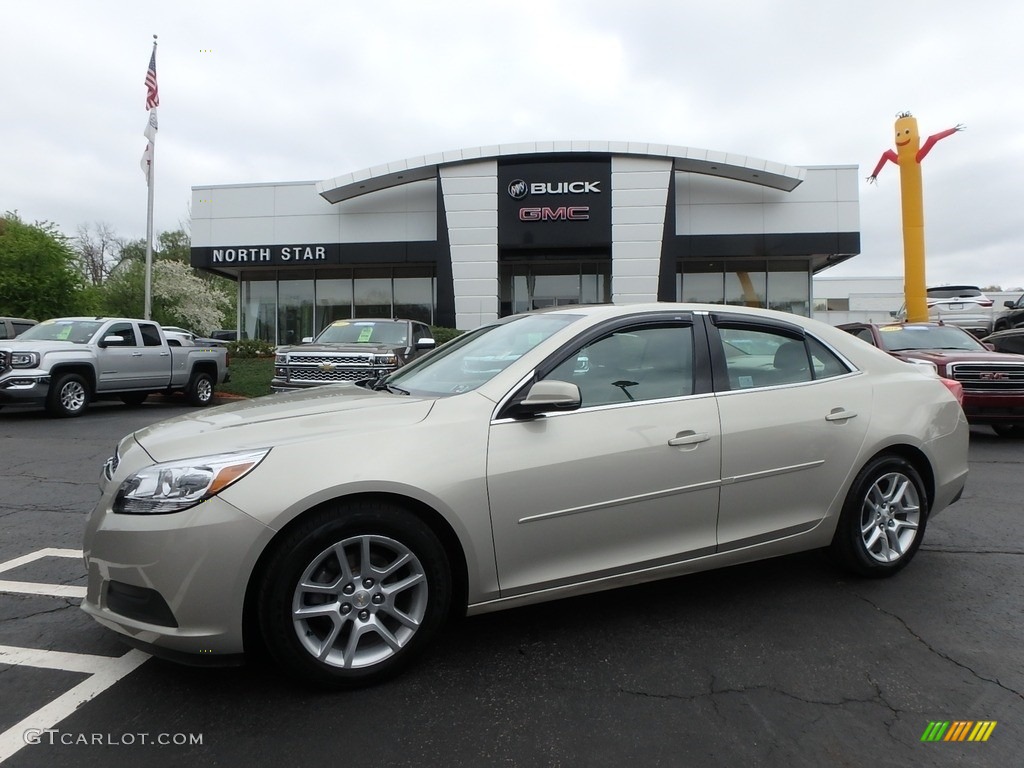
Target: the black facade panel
(444, 312)
(760, 246)
(555, 204)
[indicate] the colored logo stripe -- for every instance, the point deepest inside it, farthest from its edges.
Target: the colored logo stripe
(958, 730)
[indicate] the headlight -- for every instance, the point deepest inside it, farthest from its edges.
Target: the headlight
(176, 485)
(280, 359)
(24, 359)
(388, 359)
(923, 364)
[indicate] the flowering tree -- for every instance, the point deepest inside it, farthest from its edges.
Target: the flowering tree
(180, 297)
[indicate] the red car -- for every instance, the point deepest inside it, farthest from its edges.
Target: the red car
(993, 382)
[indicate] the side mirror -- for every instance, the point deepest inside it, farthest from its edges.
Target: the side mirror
(548, 395)
(307, 339)
(894, 313)
(425, 343)
(111, 341)
(1009, 303)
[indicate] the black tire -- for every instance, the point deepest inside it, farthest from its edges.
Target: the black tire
(134, 398)
(68, 396)
(883, 518)
(200, 389)
(364, 630)
(1011, 431)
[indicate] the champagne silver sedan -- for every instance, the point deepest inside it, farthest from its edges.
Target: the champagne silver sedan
(544, 455)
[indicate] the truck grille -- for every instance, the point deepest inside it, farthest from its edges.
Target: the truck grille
(337, 360)
(324, 377)
(989, 377)
(5, 360)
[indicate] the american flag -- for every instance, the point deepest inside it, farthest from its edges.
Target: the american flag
(152, 96)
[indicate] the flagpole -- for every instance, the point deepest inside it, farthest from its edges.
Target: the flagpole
(152, 102)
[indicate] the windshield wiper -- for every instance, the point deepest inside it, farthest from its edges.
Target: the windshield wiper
(394, 390)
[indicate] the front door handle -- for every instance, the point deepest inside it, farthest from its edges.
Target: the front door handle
(689, 438)
(840, 414)
(136, 354)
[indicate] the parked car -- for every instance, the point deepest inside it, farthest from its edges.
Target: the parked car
(11, 327)
(1012, 316)
(224, 335)
(175, 336)
(965, 306)
(350, 350)
(993, 382)
(1010, 340)
(540, 456)
(65, 363)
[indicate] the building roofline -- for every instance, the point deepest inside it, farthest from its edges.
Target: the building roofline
(751, 170)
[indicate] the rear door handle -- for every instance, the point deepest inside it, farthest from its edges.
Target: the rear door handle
(840, 414)
(689, 438)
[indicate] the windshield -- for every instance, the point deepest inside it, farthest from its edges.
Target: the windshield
(470, 360)
(896, 338)
(364, 332)
(75, 331)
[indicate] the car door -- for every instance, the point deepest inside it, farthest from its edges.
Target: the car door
(628, 481)
(155, 368)
(120, 358)
(794, 415)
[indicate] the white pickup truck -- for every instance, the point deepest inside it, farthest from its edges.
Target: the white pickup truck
(65, 363)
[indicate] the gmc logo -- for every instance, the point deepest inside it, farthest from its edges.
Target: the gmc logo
(562, 213)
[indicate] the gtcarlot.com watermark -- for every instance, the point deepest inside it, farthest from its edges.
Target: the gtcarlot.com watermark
(53, 736)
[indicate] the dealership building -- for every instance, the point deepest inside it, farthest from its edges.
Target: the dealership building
(463, 237)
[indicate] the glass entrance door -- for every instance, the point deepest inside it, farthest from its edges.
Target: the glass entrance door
(528, 285)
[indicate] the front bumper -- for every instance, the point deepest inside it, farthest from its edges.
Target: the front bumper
(24, 388)
(173, 584)
(993, 409)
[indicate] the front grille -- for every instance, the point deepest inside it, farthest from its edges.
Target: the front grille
(354, 359)
(5, 361)
(343, 374)
(995, 378)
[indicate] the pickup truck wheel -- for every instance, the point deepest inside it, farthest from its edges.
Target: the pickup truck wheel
(353, 594)
(134, 398)
(200, 389)
(68, 396)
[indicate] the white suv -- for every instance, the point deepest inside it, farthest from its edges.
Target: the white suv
(964, 306)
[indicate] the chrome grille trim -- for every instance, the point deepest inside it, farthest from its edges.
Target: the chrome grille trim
(989, 376)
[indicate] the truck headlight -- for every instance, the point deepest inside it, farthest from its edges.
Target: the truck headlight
(280, 359)
(387, 359)
(176, 485)
(24, 359)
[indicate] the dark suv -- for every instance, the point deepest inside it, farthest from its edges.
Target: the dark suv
(350, 350)
(993, 382)
(1012, 316)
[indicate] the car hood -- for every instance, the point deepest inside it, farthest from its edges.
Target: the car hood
(280, 419)
(365, 348)
(30, 345)
(946, 356)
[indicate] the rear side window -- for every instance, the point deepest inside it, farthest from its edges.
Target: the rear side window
(150, 335)
(767, 358)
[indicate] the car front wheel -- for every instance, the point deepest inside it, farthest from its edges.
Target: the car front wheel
(883, 519)
(353, 594)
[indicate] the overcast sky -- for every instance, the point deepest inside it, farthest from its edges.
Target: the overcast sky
(300, 90)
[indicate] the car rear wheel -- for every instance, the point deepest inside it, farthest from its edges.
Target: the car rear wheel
(200, 389)
(353, 594)
(68, 396)
(1015, 431)
(883, 519)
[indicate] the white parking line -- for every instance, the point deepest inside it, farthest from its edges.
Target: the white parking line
(102, 671)
(105, 671)
(33, 588)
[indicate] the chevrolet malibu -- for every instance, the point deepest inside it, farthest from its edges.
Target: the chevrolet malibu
(541, 456)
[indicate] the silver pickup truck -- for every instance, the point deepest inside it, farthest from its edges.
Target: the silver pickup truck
(65, 363)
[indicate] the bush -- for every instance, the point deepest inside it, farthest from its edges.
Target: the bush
(246, 348)
(442, 334)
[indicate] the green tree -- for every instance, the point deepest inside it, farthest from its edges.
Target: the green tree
(39, 275)
(179, 296)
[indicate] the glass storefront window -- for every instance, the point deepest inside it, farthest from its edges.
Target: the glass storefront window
(531, 285)
(746, 284)
(789, 287)
(701, 282)
(333, 301)
(258, 310)
(371, 290)
(295, 311)
(414, 298)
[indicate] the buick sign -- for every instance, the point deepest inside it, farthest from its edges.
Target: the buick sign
(517, 189)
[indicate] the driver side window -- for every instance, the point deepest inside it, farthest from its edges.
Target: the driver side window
(629, 365)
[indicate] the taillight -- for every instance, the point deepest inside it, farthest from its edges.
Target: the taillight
(984, 302)
(955, 387)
